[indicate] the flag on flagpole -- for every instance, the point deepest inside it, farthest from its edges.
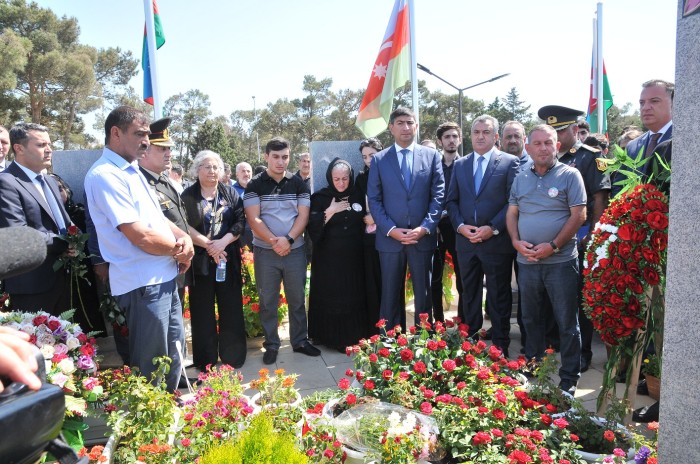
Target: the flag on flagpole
(599, 83)
(145, 62)
(391, 71)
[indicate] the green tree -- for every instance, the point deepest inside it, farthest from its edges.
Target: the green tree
(188, 110)
(211, 135)
(515, 108)
(619, 118)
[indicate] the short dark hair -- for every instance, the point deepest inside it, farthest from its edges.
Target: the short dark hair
(276, 144)
(597, 140)
(176, 168)
(371, 142)
(19, 133)
(670, 87)
(445, 126)
(121, 117)
(542, 128)
(583, 124)
(401, 111)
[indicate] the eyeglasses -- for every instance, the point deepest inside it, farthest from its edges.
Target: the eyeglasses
(210, 167)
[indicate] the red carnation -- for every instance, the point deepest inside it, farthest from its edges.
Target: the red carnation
(657, 220)
(53, 324)
(625, 232)
(419, 367)
(406, 355)
(481, 438)
(37, 321)
(651, 276)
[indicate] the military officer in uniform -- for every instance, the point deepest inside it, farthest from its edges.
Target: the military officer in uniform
(584, 158)
(154, 166)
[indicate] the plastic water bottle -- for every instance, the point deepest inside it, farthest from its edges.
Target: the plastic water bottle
(221, 271)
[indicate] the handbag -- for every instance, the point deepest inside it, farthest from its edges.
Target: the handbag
(201, 262)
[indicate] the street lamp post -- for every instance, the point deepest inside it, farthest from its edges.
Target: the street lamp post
(255, 121)
(461, 91)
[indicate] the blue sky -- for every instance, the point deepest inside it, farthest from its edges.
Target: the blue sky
(233, 50)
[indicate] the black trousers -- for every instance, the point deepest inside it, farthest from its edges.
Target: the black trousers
(446, 242)
(229, 341)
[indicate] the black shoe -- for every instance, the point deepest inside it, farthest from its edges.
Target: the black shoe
(183, 382)
(568, 386)
(270, 356)
(647, 413)
(308, 349)
(642, 388)
(585, 364)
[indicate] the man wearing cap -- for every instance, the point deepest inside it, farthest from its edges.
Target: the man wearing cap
(574, 153)
(154, 164)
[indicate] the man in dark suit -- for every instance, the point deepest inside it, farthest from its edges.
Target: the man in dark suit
(655, 107)
(405, 191)
(477, 202)
(30, 198)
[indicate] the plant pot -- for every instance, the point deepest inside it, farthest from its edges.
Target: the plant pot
(257, 407)
(597, 458)
(653, 385)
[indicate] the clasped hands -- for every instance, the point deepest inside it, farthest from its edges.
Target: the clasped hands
(407, 236)
(183, 253)
(476, 234)
(217, 248)
(533, 253)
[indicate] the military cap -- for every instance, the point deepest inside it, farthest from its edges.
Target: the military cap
(559, 117)
(159, 133)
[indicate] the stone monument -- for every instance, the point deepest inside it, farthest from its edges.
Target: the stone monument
(679, 417)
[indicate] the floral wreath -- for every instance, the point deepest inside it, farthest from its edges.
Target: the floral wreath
(625, 258)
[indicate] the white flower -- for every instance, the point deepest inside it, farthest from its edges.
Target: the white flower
(72, 343)
(47, 351)
(45, 339)
(612, 238)
(67, 366)
(59, 379)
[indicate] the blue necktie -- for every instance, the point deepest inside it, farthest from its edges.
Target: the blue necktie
(53, 205)
(479, 174)
(405, 170)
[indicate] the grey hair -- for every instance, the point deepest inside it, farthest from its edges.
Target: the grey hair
(513, 123)
(243, 163)
(203, 156)
(486, 118)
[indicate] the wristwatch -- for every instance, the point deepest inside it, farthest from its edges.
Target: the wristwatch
(554, 246)
(494, 230)
(290, 240)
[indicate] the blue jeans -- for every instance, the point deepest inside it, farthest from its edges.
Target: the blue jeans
(271, 270)
(560, 282)
(154, 318)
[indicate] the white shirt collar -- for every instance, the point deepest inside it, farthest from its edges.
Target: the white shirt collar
(664, 129)
(410, 148)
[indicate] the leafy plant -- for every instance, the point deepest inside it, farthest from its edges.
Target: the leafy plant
(652, 366)
(277, 389)
(258, 444)
(251, 299)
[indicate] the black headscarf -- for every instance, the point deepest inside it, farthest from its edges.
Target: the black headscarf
(329, 177)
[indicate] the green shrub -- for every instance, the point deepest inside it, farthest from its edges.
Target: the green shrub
(258, 444)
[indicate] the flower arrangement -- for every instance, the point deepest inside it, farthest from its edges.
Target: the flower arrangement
(214, 414)
(647, 448)
(75, 263)
(70, 355)
(278, 389)
(625, 257)
(251, 299)
(320, 443)
(483, 411)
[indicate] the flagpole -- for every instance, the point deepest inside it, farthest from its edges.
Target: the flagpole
(599, 68)
(151, 41)
(414, 62)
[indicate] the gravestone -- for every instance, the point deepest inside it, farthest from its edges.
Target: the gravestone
(72, 166)
(680, 393)
(322, 153)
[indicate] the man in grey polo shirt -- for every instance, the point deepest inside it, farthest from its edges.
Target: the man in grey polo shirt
(277, 207)
(547, 206)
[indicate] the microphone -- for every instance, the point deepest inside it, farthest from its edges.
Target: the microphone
(23, 249)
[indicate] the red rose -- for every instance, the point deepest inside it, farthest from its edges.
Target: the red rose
(657, 220)
(351, 399)
(616, 299)
(419, 367)
(624, 249)
(387, 374)
(651, 276)
(384, 352)
(618, 264)
(656, 205)
(609, 435)
(633, 267)
(650, 255)
(449, 365)
(344, 384)
(638, 215)
(625, 232)
(546, 419)
(373, 358)
(406, 355)
(560, 422)
(659, 240)
(369, 385)
(73, 230)
(481, 438)
(37, 321)
(426, 408)
(632, 322)
(255, 307)
(53, 324)
(639, 236)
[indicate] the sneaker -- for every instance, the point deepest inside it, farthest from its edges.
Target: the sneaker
(270, 356)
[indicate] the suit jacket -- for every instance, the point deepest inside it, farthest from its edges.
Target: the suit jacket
(170, 202)
(21, 204)
(392, 205)
(633, 147)
(490, 202)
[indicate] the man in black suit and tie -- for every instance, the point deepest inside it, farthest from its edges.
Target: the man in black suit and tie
(477, 202)
(405, 192)
(655, 107)
(29, 198)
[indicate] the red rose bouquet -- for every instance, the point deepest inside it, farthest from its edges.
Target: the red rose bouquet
(625, 258)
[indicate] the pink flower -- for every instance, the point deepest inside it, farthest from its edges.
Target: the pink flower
(344, 384)
(426, 408)
(560, 422)
(381, 324)
(369, 385)
(328, 453)
(186, 442)
(449, 365)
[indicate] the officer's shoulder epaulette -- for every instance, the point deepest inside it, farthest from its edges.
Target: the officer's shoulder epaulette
(590, 148)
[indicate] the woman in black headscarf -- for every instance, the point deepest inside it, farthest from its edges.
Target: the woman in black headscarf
(337, 314)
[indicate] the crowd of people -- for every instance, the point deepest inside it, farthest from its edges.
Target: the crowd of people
(518, 202)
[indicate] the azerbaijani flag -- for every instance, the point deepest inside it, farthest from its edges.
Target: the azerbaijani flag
(593, 101)
(391, 71)
(145, 64)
